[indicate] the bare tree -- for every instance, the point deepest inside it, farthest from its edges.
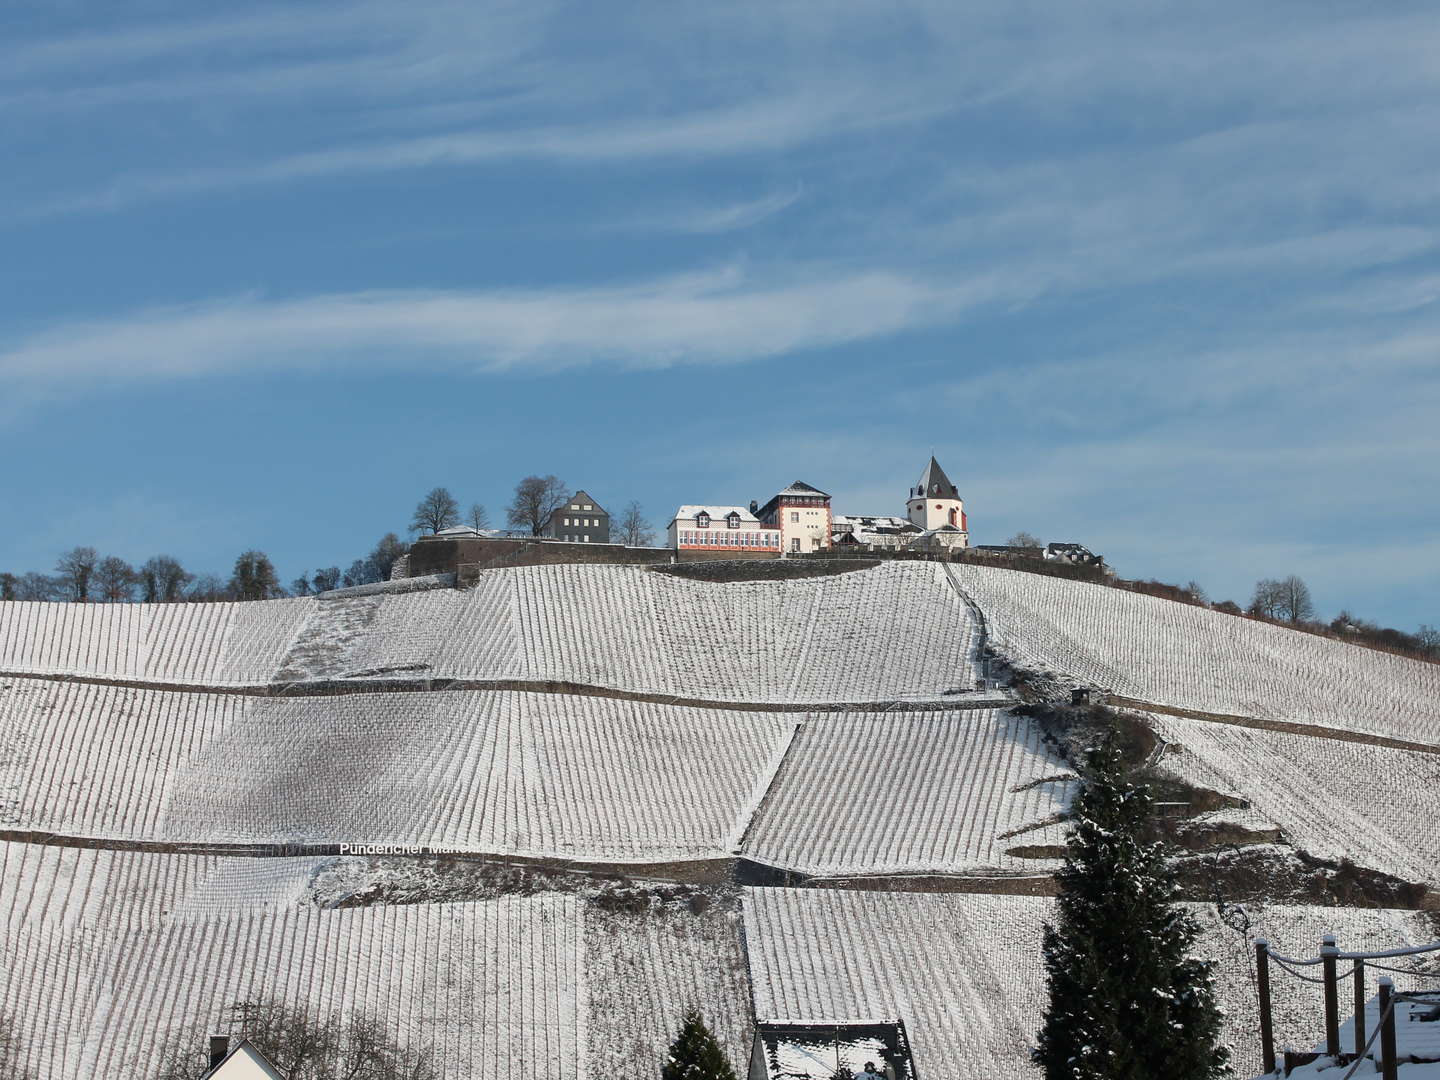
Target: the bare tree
(1265, 601)
(632, 528)
(8, 584)
(1429, 639)
(536, 498)
(300, 586)
(382, 559)
(1287, 599)
(327, 579)
(254, 577)
(306, 1045)
(1196, 592)
(35, 586)
(115, 580)
(477, 518)
(1295, 603)
(1024, 540)
(76, 568)
(163, 580)
(437, 510)
(207, 588)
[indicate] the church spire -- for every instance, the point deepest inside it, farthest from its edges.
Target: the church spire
(935, 484)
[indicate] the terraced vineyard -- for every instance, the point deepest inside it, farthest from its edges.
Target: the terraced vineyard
(915, 793)
(816, 727)
(965, 969)
(1330, 799)
(1168, 653)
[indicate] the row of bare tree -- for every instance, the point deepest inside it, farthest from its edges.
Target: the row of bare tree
(535, 499)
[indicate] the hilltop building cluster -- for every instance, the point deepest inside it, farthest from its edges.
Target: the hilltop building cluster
(799, 520)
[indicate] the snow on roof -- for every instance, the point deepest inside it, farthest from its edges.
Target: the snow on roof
(799, 487)
(689, 512)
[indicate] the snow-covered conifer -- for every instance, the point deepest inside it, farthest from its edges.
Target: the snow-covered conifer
(695, 1055)
(1128, 1001)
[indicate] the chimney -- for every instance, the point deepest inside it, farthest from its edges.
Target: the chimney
(754, 507)
(219, 1047)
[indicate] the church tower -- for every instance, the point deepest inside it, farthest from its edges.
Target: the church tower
(935, 503)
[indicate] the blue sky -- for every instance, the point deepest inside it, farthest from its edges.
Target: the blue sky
(1160, 278)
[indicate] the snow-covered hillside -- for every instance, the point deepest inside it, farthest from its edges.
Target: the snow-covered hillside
(1168, 653)
(208, 644)
(910, 793)
(964, 971)
(872, 635)
(1335, 800)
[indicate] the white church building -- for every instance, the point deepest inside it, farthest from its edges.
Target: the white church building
(934, 519)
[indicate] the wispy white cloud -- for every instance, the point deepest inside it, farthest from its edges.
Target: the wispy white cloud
(722, 317)
(729, 217)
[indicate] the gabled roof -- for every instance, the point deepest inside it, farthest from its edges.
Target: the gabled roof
(244, 1062)
(717, 513)
(583, 496)
(799, 487)
(934, 482)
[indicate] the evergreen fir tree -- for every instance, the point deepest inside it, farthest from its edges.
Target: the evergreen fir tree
(1127, 1000)
(695, 1055)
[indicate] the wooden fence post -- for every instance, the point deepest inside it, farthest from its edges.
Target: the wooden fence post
(1262, 980)
(1388, 1066)
(1328, 954)
(1359, 977)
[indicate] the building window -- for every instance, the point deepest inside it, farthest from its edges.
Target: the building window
(574, 506)
(587, 539)
(702, 520)
(733, 521)
(794, 543)
(794, 515)
(587, 506)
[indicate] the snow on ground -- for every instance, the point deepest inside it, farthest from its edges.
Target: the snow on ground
(897, 630)
(101, 761)
(910, 793)
(531, 774)
(525, 774)
(1371, 804)
(1191, 657)
(70, 887)
(643, 970)
(894, 631)
(214, 644)
(496, 987)
(964, 971)
(1323, 1070)
(1296, 930)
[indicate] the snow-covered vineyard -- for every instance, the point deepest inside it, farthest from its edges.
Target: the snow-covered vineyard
(1168, 653)
(140, 731)
(555, 984)
(537, 775)
(895, 631)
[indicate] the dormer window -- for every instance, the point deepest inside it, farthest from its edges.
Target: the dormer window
(732, 519)
(702, 520)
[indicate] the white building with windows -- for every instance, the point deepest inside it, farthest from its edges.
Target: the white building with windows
(802, 514)
(721, 529)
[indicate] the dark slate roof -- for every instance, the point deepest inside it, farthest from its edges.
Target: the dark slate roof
(583, 496)
(799, 487)
(933, 481)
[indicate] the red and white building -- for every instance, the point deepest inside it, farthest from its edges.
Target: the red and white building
(802, 514)
(721, 529)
